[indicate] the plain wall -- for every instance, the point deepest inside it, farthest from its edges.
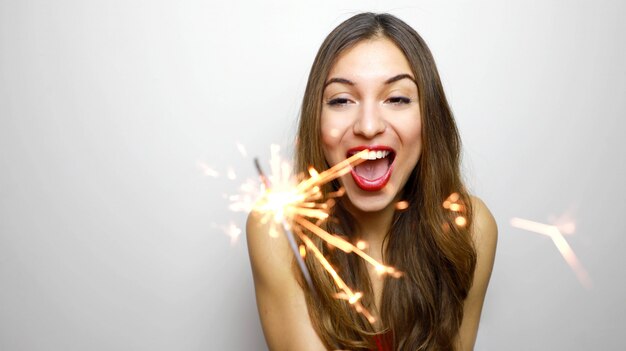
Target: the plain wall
(111, 235)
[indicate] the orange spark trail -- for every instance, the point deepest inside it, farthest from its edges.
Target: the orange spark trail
(561, 244)
(346, 246)
(353, 298)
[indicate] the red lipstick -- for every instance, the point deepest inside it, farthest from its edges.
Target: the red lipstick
(378, 155)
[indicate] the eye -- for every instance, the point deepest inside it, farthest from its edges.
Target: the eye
(399, 100)
(338, 102)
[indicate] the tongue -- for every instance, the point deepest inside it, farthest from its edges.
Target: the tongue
(372, 169)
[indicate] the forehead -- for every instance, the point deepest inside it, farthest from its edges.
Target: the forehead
(370, 59)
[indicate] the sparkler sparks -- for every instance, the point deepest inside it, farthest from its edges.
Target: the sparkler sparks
(231, 174)
(242, 150)
(453, 203)
(291, 206)
(208, 171)
(233, 231)
(301, 207)
(564, 248)
(402, 205)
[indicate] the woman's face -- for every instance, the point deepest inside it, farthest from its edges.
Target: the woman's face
(370, 101)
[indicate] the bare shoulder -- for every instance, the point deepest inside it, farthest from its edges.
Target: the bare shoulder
(485, 229)
(280, 299)
(269, 256)
(485, 235)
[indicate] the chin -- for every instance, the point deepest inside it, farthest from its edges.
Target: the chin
(364, 201)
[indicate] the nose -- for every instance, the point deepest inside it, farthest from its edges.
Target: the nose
(369, 122)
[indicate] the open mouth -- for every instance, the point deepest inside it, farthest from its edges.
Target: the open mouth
(374, 173)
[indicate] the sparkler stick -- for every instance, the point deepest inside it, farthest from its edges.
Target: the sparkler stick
(288, 233)
(264, 179)
(299, 259)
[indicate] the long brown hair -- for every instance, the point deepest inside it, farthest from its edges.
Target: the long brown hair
(424, 308)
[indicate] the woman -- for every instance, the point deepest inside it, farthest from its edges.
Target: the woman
(374, 85)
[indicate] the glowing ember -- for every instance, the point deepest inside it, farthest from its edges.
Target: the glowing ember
(454, 197)
(361, 245)
(453, 203)
(460, 221)
(455, 207)
(402, 205)
(557, 237)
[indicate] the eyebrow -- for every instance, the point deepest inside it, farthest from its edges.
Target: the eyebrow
(400, 77)
(387, 82)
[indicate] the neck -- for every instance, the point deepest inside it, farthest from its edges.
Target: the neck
(373, 226)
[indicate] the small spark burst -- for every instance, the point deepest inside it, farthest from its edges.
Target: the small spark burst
(233, 231)
(554, 232)
(230, 174)
(362, 245)
(402, 205)
(242, 149)
(454, 203)
(208, 171)
(300, 207)
(460, 221)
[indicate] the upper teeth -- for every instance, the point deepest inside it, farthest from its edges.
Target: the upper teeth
(373, 155)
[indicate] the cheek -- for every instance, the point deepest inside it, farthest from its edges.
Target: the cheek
(410, 134)
(416, 140)
(329, 138)
(416, 135)
(331, 134)
(409, 129)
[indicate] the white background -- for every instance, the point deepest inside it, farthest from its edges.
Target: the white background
(111, 235)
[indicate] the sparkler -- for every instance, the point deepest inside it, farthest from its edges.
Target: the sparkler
(302, 208)
(298, 253)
